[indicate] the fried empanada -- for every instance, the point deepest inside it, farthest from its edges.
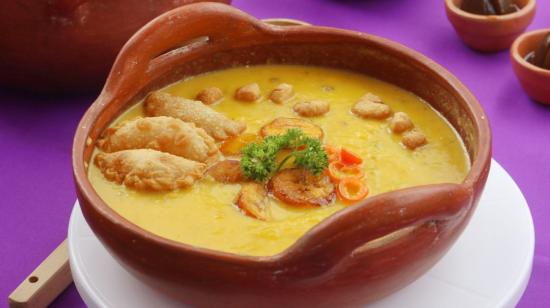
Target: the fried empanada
(214, 123)
(149, 170)
(164, 134)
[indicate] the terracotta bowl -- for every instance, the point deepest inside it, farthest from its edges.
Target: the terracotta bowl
(534, 80)
(69, 45)
(357, 255)
(490, 33)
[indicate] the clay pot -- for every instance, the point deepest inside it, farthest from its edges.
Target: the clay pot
(534, 80)
(68, 45)
(490, 33)
(355, 256)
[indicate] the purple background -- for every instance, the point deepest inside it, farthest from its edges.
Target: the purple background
(36, 133)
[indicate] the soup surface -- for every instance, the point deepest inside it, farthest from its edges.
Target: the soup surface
(205, 215)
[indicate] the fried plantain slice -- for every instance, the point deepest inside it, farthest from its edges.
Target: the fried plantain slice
(253, 201)
(300, 187)
(281, 125)
(227, 171)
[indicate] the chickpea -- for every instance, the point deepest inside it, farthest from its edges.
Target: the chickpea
(413, 139)
(369, 110)
(210, 95)
(371, 98)
(400, 122)
(248, 93)
(281, 93)
(312, 108)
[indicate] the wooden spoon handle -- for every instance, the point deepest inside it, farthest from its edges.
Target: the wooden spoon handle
(46, 282)
(285, 22)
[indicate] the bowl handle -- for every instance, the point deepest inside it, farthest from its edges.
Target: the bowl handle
(329, 243)
(172, 38)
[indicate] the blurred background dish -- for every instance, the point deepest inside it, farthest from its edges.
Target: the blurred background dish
(69, 45)
(541, 55)
(534, 80)
(489, 7)
(490, 33)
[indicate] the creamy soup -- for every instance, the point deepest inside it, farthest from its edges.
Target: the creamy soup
(205, 215)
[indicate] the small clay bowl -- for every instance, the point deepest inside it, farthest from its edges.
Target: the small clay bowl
(490, 33)
(352, 258)
(534, 80)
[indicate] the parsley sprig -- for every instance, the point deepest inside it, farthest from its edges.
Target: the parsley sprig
(258, 160)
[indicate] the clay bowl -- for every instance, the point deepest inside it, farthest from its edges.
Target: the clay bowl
(534, 80)
(68, 45)
(357, 255)
(490, 33)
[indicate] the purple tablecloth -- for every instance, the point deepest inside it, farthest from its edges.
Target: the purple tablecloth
(36, 186)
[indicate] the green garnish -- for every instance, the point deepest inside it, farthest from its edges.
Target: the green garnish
(258, 161)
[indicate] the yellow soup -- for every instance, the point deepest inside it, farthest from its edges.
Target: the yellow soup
(204, 215)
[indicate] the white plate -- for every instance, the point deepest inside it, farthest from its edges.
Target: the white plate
(489, 265)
